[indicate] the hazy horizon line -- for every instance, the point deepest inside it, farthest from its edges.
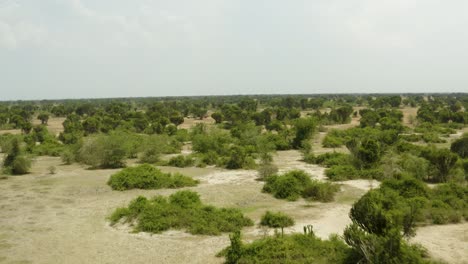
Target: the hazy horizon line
(230, 95)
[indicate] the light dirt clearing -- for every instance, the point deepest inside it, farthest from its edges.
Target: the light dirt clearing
(447, 242)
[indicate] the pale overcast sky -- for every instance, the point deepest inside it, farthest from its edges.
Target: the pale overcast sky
(114, 48)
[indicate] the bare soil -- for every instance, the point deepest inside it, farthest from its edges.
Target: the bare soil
(54, 125)
(409, 115)
(448, 242)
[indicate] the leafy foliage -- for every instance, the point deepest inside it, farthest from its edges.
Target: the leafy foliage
(183, 210)
(181, 161)
(460, 146)
(15, 162)
(295, 248)
(148, 177)
(276, 220)
(295, 184)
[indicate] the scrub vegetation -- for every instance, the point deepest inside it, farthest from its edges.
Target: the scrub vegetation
(420, 162)
(295, 184)
(182, 210)
(148, 177)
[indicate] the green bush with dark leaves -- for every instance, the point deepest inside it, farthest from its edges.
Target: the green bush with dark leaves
(148, 177)
(295, 184)
(182, 210)
(295, 248)
(181, 161)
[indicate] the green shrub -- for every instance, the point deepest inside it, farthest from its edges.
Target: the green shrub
(183, 210)
(155, 145)
(266, 170)
(295, 184)
(15, 162)
(276, 220)
(320, 191)
(331, 159)
(147, 177)
(150, 155)
(334, 138)
(52, 148)
(21, 165)
(377, 174)
(416, 166)
(460, 146)
(104, 151)
(432, 137)
(332, 142)
(342, 173)
(181, 161)
(439, 216)
(67, 156)
(400, 203)
(52, 169)
(295, 248)
(118, 214)
(287, 186)
(412, 137)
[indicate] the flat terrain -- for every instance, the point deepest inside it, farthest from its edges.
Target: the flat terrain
(61, 218)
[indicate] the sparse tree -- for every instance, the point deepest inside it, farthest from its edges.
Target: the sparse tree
(44, 117)
(276, 220)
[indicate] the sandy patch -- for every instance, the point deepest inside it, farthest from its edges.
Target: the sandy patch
(233, 177)
(292, 160)
(54, 125)
(190, 122)
(445, 242)
(362, 184)
(10, 131)
(409, 116)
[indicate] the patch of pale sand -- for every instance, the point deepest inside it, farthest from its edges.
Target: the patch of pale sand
(232, 177)
(333, 219)
(292, 160)
(190, 122)
(10, 131)
(318, 147)
(326, 219)
(458, 134)
(54, 125)
(187, 149)
(362, 184)
(409, 115)
(445, 242)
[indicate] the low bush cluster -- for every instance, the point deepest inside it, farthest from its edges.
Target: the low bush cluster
(146, 176)
(16, 161)
(182, 210)
(403, 202)
(330, 159)
(297, 183)
(295, 248)
(181, 161)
